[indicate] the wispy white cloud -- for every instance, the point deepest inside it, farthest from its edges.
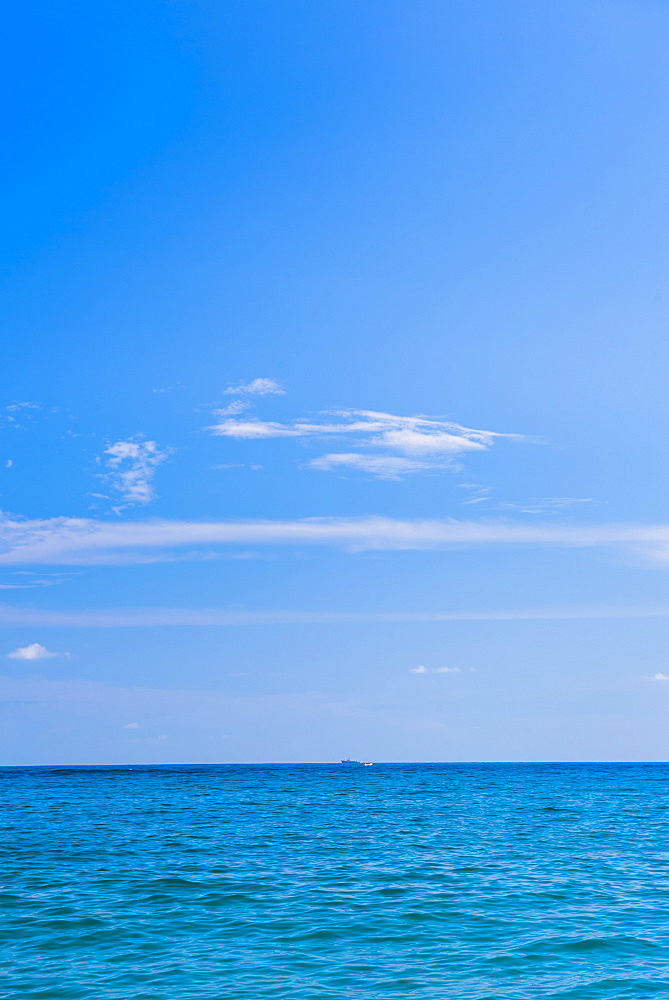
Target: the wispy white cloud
(131, 725)
(236, 465)
(547, 505)
(11, 415)
(535, 505)
(16, 407)
(34, 651)
(168, 388)
(410, 435)
(435, 670)
(237, 406)
(412, 444)
(224, 617)
(256, 387)
(478, 493)
(381, 466)
(35, 584)
(660, 677)
(86, 541)
(252, 429)
(131, 467)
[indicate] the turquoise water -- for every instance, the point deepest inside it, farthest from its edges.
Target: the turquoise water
(327, 881)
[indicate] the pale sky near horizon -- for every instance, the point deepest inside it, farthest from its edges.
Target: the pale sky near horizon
(334, 383)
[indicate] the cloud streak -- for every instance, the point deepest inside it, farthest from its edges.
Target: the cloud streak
(257, 387)
(85, 541)
(441, 670)
(381, 466)
(223, 617)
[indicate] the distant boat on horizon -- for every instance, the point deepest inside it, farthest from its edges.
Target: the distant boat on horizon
(360, 763)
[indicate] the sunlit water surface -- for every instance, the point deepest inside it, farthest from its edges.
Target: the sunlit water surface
(332, 881)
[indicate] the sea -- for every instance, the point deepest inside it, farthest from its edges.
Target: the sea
(335, 882)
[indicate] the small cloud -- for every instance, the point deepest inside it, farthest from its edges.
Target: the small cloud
(131, 725)
(168, 388)
(8, 463)
(13, 413)
(660, 677)
(237, 406)
(34, 651)
(15, 407)
(418, 670)
(257, 387)
(132, 465)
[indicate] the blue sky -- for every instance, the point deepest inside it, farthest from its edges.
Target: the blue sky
(334, 382)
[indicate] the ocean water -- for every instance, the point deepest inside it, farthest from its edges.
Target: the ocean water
(242, 882)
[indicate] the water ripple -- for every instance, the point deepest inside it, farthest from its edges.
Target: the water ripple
(475, 882)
